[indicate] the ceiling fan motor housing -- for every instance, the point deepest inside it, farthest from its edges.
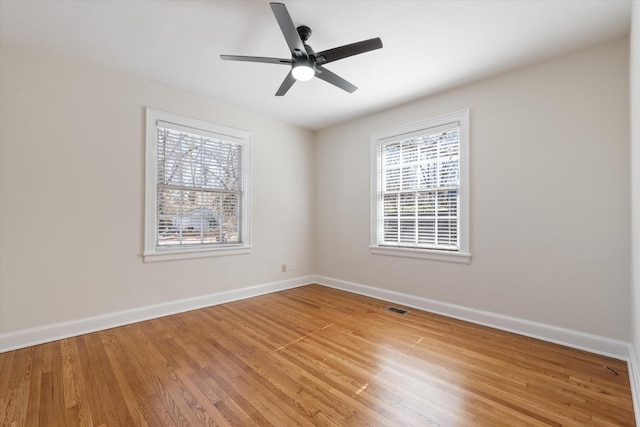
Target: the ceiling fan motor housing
(304, 32)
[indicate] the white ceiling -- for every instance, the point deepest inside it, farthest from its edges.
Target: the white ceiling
(429, 45)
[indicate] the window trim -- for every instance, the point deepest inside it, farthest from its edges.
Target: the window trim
(463, 255)
(153, 253)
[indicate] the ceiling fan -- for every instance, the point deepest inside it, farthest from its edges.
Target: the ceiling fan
(304, 62)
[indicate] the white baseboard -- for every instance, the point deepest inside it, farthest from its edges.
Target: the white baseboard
(634, 381)
(34, 336)
(583, 341)
(592, 343)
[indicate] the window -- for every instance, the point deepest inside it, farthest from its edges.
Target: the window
(420, 185)
(197, 188)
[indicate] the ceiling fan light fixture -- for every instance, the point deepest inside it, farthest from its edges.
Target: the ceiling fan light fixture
(303, 71)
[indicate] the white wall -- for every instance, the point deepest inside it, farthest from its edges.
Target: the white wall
(72, 195)
(549, 197)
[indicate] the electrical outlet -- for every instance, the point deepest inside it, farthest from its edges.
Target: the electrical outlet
(293, 265)
(284, 268)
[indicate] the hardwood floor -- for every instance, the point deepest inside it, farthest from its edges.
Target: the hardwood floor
(310, 356)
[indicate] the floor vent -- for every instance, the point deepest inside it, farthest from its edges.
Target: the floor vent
(397, 310)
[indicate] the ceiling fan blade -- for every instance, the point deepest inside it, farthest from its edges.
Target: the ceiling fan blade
(263, 59)
(336, 53)
(329, 77)
(286, 84)
(289, 30)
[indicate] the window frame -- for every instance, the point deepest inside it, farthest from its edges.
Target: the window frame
(463, 254)
(152, 252)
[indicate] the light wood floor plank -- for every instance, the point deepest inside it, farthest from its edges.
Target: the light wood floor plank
(310, 356)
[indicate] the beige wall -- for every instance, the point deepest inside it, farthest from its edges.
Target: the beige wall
(635, 179)
(550, 211)
(549, 197)
(72, 195)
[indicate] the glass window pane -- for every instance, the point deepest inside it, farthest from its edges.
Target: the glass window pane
(419, 181)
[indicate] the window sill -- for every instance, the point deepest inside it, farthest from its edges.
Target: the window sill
(455, 257)
(176, 254)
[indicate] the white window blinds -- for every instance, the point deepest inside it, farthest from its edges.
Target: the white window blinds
(419, 189)
(199, 188)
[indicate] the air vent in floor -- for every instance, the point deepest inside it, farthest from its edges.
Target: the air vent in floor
(397, 310)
